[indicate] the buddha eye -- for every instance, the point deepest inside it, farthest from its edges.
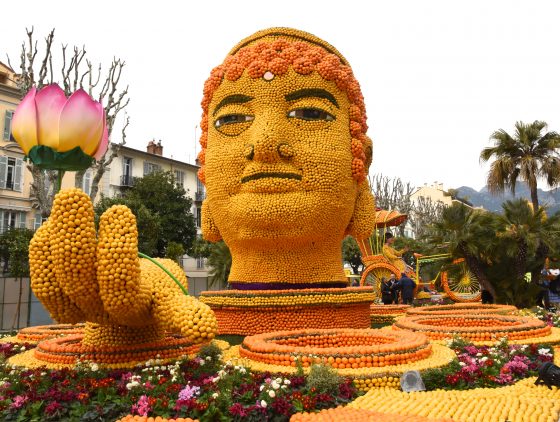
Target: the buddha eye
(230, 119)
(310, 113)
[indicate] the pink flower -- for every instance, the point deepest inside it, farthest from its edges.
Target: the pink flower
(142, 408)
(18, 402)
(46, 117)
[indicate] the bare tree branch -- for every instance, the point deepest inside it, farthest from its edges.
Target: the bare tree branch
(43, 69)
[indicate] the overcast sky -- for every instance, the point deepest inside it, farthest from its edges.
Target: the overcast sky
(438, 76)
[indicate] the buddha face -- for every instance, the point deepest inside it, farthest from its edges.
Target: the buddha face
(278, 163)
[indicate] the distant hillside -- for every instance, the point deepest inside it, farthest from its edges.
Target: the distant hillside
(494, 202)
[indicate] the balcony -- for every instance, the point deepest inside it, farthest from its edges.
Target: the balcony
(127, 180)
(199, 195)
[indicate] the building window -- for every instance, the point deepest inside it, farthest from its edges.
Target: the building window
(11, 173)
(11, 219)
(150, 168)
(200, 193)
(180, 178)
(8, 125)
(86, 182)
(199, 263)
(38, 220)
(198, 217)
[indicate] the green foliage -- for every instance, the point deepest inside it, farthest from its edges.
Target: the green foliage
(219, 261)
(174, 251)
(351, 254)
(163, 197)
(167, 201)
(323, 378)
(200, 248)
(14, 250)
(149, 223)
(528, 154)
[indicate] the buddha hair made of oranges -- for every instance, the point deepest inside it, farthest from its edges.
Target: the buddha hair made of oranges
(285, 158)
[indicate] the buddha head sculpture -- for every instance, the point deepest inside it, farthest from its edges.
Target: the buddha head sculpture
(285, 157)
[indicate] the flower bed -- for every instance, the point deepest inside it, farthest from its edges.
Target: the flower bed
(475, 327)
(254, 312)
(488, 366)
(462, 309)
(520, 402)
(203, 388)
(384, 314)
(342, 348)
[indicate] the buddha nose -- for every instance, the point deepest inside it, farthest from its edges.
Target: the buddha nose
(269, 144)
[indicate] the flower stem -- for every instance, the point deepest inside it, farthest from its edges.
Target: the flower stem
(141, 255)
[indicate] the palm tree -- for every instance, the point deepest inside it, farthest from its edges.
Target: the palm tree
(528, 154)
(219, 261)
(522, 231)
(469, 234)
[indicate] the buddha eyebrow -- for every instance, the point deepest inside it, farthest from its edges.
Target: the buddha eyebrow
(232, 99)
(312, 92)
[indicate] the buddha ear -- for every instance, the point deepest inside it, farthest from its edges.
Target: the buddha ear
(363, 219)
(210, 231)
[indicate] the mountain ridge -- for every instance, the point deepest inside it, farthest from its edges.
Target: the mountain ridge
(493, 202)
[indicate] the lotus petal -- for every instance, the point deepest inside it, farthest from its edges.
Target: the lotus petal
(81, 123)
(24, 122)
(49, 102)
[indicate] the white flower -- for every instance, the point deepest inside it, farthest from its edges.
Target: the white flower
(216, 379)
(22, 348)
(242, 370)
(287, 382)
(278, 380)
(484, 359)
(208, 358)
(94, 367)
(261, 387)
(462, 363)
(544, 352)
(215, 395)
(263, 403)
(479, 354)
(271, 393)
(275, 385)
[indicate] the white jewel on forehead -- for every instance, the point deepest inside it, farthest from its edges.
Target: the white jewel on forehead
(268, 76)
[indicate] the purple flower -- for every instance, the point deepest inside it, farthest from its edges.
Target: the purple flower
(188, 392)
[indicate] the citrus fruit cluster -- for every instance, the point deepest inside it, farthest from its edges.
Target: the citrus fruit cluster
(349, 414)
(463, 309)
(254, 312)
(475, 327)
(521, 402)
(339, 348)
(42, 332)
(124, 300)
(382, 314)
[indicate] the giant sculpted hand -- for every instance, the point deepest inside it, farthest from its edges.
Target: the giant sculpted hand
(80, 276)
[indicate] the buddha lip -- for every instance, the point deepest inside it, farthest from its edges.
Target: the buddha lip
(276, 175)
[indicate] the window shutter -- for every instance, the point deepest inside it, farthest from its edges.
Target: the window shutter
(3, 168)
(2, 228)
(7, 125)
(146, 168)
(18, 178)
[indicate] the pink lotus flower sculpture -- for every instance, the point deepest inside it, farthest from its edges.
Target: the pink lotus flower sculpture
(60, 133)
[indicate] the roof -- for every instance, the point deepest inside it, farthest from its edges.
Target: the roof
(156, 157)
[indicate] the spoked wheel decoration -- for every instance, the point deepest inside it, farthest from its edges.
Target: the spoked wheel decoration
(373, 274)
(463, 288)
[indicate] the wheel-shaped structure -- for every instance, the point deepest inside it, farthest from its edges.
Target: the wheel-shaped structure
(373, 274)
(465, 288)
